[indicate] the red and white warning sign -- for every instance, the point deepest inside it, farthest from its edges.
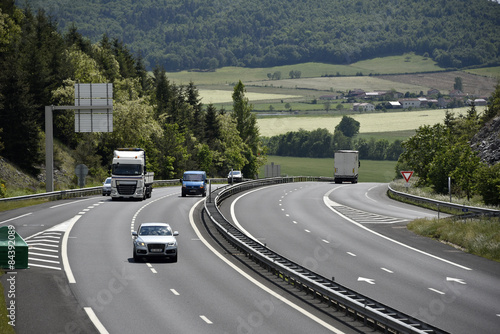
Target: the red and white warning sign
(407, 175)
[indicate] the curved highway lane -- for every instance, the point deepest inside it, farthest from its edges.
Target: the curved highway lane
(198, 294)
(88, 242)
(356, 235)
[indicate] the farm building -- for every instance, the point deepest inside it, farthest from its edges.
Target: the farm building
(407, 103)
(363, 107)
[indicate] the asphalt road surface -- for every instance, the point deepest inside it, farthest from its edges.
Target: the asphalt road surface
(357, 235)
(82, 278)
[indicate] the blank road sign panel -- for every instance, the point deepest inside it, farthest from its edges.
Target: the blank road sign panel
(93, 121)
(93, 91)
(95, 102)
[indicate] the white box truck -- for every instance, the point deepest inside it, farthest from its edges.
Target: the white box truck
(129, 177)
(346, 164)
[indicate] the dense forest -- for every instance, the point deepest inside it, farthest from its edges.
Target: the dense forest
(196, 34)
(39, 67)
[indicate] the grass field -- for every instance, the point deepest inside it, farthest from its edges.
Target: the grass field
(369, 171)
(323, 85)
(224, 96)
(405, 121)
(406, 63)
(492, 72)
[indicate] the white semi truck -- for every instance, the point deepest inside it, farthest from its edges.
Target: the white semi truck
(129, 177)
(346, 164)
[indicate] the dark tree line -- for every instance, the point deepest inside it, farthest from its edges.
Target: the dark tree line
(194, 34)
(321, 143)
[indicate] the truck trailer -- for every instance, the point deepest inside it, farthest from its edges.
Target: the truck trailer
(346, 164)
(129, 176)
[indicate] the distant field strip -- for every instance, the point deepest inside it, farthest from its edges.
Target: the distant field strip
(334, 84)
(223, 96)
(375, 122)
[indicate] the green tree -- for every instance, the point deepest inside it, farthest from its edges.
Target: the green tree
(442, 167)
(488, 183)
(349, 126)
(466, 170)
(458, 84)
(212, 126)
(493, 108)
(21, 131)
(341, 141)
(420, 149)
(246, 124)
(232, 147)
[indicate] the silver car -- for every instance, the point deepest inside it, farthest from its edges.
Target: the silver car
(155, 240)
(234, 176)
(106, 187)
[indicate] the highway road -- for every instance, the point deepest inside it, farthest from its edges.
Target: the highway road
(82, 277)
(357, 235)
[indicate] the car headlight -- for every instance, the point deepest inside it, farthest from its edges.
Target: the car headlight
(170, 244)
(140, 243)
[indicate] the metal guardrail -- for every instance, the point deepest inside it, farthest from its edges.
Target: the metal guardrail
(56, 195)
(361, 307)
(468, 211)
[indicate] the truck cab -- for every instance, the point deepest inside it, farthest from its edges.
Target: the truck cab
(194, 183)
(129, 177)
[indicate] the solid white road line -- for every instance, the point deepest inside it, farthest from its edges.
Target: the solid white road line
(8, 220)
(327, 202)
(206, 319)
(46, 255)
(254, 281)
(74, 202)
(437, 291)
(43, 260)
(42, 266)
(45, 250)
(95, 320)
(64, 249)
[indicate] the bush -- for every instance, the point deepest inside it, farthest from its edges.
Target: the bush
(488, 183)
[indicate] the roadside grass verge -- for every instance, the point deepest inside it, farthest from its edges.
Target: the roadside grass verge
(478, 236)
(11, 205)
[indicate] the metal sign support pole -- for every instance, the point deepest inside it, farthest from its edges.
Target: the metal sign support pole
(49, 140)
(49, 150)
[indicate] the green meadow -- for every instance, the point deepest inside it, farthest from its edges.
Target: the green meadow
(406, 63)
(369, 171)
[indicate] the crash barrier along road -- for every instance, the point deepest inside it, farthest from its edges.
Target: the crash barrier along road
(371, 312)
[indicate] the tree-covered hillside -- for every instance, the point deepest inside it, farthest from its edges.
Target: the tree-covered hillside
(199, 34)
(39, 67)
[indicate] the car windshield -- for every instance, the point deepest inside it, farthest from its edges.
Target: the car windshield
(193, 177)
(155, 230)
(126, 169)
(108, 181)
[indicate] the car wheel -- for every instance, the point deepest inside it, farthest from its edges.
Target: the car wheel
(136, 258)
(174, 258)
